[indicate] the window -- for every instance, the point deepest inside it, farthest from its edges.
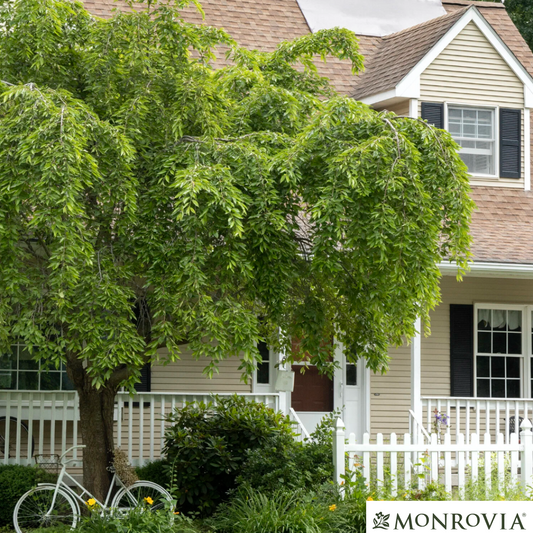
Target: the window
(19, 371)
(351, 374)
(474, 130)
(263, 368)
(499, 362)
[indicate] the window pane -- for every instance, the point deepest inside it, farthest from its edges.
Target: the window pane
(483, 319)
(515, 343)
(515, 320)
(50, 380)
(513, 367)
(28, 381)
(498, 388)
(499, 341)
(264, 351)
(26, 361)
(351, 374)
(483, 388)
(8, 380)
(513, 388)
(497, 367)
(8, 361)
(484, 342)
(66, 383)
(499, 320)
(483, 368)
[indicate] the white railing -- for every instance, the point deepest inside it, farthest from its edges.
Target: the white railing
(140, 428)
(405, 461)
(47, 422)
(299, 429)
(477, 415)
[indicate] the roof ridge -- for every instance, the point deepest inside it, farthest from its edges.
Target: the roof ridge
(475, 3)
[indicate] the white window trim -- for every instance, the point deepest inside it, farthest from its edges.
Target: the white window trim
(496, 110)
(527, 353)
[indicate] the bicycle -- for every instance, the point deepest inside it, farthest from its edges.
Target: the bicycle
(9, 433)
(53, 505)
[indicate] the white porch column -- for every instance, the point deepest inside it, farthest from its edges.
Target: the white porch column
(416, 378)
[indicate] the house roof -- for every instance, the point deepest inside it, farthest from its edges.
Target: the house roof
(258, 25)
(399, 52)
(501, 225)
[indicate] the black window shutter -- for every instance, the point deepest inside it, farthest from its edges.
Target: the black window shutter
(145, 384)
(434, 114)
(462, 350)
(510, 143)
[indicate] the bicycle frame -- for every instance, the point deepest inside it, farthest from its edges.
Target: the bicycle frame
(84, 492)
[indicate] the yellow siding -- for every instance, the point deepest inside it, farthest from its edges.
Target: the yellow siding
(389, 410)
(186, 375)
(400, 108)
(470, 71)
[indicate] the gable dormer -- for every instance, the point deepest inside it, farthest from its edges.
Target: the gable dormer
(465, 80)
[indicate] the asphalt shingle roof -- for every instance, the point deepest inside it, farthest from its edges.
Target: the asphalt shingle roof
(398, 53)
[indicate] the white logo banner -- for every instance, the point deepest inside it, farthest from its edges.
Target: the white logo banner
(477, 517)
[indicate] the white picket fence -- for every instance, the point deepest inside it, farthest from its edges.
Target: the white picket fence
(444, 461)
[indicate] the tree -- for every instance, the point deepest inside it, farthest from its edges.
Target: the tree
(147, 201)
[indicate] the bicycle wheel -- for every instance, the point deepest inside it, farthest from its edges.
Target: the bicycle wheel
(11, 449)
(141, 493)
(33, 510)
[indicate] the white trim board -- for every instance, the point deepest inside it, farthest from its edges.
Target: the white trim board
(490, 270)
(409, 86)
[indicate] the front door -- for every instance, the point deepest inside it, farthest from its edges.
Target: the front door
(349, 394)
(312, 396)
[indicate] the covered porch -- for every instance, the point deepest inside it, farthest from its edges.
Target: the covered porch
(474, 373)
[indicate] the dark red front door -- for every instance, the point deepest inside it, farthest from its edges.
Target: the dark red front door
(312, 392)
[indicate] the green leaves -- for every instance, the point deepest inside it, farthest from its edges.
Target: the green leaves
(147, 200)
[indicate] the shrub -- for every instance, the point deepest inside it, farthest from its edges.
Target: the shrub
(206, 446)
(292, 465)
(15, 480)
(156, 471)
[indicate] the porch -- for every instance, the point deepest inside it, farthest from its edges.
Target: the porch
(34, 423)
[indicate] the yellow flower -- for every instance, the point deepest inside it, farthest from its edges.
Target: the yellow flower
(176, 512)
(332, 507)
(149, 500)
(91, 502)
(370, 499)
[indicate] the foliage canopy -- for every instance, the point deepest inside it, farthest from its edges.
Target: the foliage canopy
(148, 200)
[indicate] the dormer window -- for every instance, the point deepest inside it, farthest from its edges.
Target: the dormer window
(474, 130)
(490, 138)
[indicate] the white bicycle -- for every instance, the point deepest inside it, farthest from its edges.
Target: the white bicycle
(49, 505)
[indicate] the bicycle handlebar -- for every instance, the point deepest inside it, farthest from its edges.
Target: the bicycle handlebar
(70, 449)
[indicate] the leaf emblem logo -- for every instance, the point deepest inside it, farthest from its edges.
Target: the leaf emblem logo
(381, 521)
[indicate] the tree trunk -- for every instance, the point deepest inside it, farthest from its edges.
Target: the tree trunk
(96, 426)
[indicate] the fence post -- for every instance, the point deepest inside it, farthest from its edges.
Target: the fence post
(339, 465)
(526, 438)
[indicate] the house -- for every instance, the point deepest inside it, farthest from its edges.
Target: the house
(463, 66)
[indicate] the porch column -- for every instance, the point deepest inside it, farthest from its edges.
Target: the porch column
(416, 379)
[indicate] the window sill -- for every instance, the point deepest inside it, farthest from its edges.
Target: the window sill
(495, 181)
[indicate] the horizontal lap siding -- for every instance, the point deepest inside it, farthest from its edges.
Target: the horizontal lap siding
(470, 71)
(186, 375)
(400, 108)
(390, 409)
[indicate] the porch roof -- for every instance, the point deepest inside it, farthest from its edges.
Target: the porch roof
(501, 225)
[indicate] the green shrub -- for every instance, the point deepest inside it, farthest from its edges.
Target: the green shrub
(292, 465)
(206, 446)
(15, 480)
(156, 471)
